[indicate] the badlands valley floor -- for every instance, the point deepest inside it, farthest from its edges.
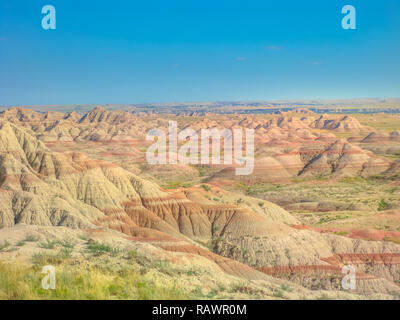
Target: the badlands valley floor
(77, 193)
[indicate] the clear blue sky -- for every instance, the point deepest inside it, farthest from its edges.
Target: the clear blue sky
(162, 51)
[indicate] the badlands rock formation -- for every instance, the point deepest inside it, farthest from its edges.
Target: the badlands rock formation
(381, 142)
(112, 124)
(341, 124)
(288, 145)
(243, 236)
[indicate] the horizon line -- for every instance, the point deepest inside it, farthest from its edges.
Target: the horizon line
(199, 102)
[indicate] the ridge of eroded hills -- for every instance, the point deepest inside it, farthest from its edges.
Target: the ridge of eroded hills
(245, 237)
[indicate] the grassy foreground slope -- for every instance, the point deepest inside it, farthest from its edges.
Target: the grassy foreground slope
(99, 264)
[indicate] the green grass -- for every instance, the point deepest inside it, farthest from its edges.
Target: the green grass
(6, 244)
(342, 233)
(18, 282)
(395, 156)
(353, 180)
(42, 259)
(132, 255)
(98, 249)
(278, 294)
(201, 171)
(165, 267)
(382, 205)
(67, 243)
(175, 185)
(392, 239)
(47, 244)
(284, 287)
(83, 237)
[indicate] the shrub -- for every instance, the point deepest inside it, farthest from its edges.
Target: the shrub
(278, 294)
(382, 205)
(47, 245)
(67, 243)
(5, 245)
(239, 201)
(42, 259)
(132, 255)
(284, 287)
(20, 243)
(98, 249)
(31, 238)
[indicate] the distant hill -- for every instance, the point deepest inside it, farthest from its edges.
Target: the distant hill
(387, 105)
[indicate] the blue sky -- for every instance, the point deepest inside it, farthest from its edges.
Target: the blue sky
(168, 51)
